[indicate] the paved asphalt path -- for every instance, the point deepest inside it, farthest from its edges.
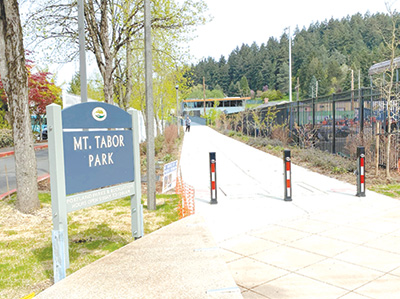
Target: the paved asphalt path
(9, 164)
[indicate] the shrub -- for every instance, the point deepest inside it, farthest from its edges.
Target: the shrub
(170, 135)
(333, 163)
(168, 158)
(6, 138)
(281, 133)
(158, 143)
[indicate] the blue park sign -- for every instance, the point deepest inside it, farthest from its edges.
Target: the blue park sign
(94, 157)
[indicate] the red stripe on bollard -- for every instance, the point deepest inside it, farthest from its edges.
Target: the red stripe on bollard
(287, 166)
(212, 167)
(287, 183)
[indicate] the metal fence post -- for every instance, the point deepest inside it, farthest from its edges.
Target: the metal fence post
(333, 124)
(361, 98)
(361, 171)
(213, 178)
(287, 170)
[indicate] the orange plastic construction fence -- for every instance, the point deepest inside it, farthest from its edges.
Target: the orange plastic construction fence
(186, 202)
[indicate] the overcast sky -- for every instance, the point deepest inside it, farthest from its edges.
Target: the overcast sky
(236, 22)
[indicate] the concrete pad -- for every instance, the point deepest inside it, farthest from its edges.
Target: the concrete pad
(374, 225)
(340, 274)
(248, 294)
(350, 235)
(249, 273)
(230, 256)
(279, 234)
(322, 245)
(387, 286)
(371, 258)
(180, 260)
(247, 245)
(390, 243)
(288, 258)
(309, 225)
(353, 295)
(299, 287)
(396, 272)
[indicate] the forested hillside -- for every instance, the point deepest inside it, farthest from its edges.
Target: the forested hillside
(326, 52)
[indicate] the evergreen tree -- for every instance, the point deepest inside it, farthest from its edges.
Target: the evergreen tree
(326, 50)
(244, 87)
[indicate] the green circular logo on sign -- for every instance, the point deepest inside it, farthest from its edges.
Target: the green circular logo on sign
(99, 114)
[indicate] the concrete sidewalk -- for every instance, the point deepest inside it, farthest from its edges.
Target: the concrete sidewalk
(180, 260)
(326, 243)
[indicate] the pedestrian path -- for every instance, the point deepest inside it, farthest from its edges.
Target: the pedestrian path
(326, 243)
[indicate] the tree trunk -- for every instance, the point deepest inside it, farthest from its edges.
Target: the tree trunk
(389, 118)
(15, 80)
(129, 53)
(108, 82)
(100, 38)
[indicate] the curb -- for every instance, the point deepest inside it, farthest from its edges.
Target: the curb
(36, 148)
(41, 178)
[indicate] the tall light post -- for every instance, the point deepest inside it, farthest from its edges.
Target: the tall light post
(177, 108)
(82, 54)
(150, 152)
(290, 66)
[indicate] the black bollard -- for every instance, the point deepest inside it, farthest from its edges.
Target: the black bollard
(361, 171)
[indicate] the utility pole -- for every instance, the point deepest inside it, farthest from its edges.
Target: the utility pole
(316, 89)
(178, 123)
(204, 95)
(151, 167)
(82, 54)
(297, 89)
(290, 66)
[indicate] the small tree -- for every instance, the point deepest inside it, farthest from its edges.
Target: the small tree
(244, 87)
(42, 92)
(258, 122)
(269, 119)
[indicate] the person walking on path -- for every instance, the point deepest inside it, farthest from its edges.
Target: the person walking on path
(187, 121)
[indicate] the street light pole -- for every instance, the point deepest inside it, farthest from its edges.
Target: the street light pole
(150, 152)
(178, 123)
(290, 66)
(82, 54)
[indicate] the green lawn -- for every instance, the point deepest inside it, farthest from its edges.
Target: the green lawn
(26, 264)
